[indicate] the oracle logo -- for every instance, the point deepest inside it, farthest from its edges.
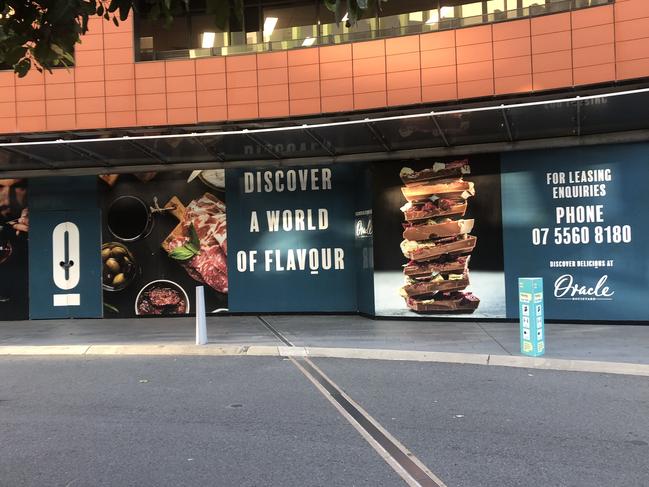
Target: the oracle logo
(565, 287)
(364, 228)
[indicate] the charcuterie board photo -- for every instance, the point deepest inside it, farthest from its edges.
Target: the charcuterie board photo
(163, 235)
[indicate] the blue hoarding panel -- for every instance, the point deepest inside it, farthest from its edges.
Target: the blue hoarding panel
(291, 239)
(574, 218)
(64, 249)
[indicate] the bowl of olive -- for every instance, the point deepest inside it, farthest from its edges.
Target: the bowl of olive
(118, 266)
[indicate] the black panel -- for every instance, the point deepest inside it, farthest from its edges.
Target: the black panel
(411, 133)
(473, 127)
(614, 114)
(541, 121)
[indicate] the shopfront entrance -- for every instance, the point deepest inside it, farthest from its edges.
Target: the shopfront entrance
(400, 217)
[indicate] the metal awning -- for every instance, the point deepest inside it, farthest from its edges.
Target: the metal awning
(606, 115)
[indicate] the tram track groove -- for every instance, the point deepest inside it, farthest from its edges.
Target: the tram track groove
(395, 454)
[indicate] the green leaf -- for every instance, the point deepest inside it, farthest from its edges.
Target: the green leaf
(57, 49)
(193, 237)
(353, 11)
(181, 253)
(124, 9)
(22, 67)
(330, 5)
(193, 248)
(62, 53)
(15, 54)
(113, 5)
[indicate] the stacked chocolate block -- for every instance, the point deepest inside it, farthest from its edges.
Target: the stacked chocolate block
(437, 239)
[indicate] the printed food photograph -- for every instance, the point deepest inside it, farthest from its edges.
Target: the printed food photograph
(14, 228)
(438, 238)
(164, 234)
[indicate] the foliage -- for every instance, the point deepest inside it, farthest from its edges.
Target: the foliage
(355, 9)
(41, 34)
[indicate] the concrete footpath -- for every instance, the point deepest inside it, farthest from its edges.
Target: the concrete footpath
(616, 349)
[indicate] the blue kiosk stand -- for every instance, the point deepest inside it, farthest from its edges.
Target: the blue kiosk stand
(532, 329)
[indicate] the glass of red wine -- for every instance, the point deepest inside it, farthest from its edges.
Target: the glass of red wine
(129, 218)
(6, 249)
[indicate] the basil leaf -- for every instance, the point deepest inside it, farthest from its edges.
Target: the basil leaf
(181, 253)
(193, 237)
(193, 248)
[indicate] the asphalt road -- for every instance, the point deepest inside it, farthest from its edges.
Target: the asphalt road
(242, 421)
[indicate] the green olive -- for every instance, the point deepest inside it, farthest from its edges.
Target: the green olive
(112, 265)
(118, 279)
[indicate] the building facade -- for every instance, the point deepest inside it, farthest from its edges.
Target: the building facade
(414, 165)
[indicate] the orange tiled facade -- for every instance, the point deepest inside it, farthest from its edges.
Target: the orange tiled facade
(108, 89)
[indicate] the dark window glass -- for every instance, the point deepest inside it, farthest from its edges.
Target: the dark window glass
(268, 25)
(292, 15)
(396, 8)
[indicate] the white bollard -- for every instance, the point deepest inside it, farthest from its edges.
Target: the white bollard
(201, 325)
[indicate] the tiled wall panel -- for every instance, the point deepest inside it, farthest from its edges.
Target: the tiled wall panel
(107, 88)
(512, 51)
(631, 39)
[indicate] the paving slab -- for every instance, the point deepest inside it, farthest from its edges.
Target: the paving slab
(506, 427)
(246, 330)
(608, 343)
(359, 332)
(614, 343)
(186, 421)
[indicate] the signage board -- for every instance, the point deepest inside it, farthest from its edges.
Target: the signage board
(532, 326)
(573, 217)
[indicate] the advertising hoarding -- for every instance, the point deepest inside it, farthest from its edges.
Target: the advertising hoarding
(291, 236)
(574, 218)
(14, 261)
(359, 237)
(438, 238)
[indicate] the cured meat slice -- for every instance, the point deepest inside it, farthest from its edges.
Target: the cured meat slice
(207, 215)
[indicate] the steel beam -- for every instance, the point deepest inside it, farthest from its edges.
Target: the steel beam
(209, 149)
(578, 117)
(378, 136)
(86, 153)
(320, 142)
(507, 126)
(158, 156)
(41, 160)
(263, 146)
(441, 132)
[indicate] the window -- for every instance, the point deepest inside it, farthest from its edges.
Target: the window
(268, 25)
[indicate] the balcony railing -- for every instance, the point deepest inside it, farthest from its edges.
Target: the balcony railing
(419, 22)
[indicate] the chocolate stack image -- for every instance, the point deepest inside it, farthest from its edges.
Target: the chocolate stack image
(437, 239)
